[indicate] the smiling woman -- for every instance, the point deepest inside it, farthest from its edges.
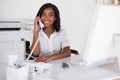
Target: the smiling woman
(53, 43)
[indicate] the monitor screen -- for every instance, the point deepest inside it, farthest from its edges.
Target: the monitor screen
(105, 23)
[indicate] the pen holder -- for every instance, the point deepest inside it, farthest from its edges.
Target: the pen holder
(17, 74)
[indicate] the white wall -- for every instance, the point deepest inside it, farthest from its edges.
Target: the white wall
(75, 16)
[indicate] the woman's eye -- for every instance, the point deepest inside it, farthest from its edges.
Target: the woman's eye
(51, 15)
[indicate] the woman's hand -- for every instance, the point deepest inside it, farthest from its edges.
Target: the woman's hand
(36, 24)
(44, 59)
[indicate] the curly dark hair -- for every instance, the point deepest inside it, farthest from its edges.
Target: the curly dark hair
(56, 24)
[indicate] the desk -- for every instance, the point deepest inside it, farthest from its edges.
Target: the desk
(74, 72)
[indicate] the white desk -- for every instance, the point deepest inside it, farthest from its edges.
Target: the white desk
(80, 72)
(74, 72)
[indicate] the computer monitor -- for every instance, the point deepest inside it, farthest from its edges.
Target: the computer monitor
(105, 23)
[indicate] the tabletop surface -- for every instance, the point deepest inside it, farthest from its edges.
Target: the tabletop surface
(73, 71)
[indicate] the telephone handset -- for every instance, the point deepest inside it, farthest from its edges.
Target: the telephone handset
(40, 24)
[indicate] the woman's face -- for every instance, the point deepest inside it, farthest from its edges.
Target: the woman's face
(48, 17)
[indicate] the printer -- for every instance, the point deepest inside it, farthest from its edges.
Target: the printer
(10, 25)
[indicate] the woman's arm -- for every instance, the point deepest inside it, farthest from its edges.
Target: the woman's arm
(65, 53)
(35, 37)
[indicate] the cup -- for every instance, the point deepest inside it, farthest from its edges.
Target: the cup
(12, 58)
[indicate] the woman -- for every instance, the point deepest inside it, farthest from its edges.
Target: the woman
(53, 43)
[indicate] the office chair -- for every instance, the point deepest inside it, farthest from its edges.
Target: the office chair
(27, 43)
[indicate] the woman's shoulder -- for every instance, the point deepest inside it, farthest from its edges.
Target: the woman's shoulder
(61, 32)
